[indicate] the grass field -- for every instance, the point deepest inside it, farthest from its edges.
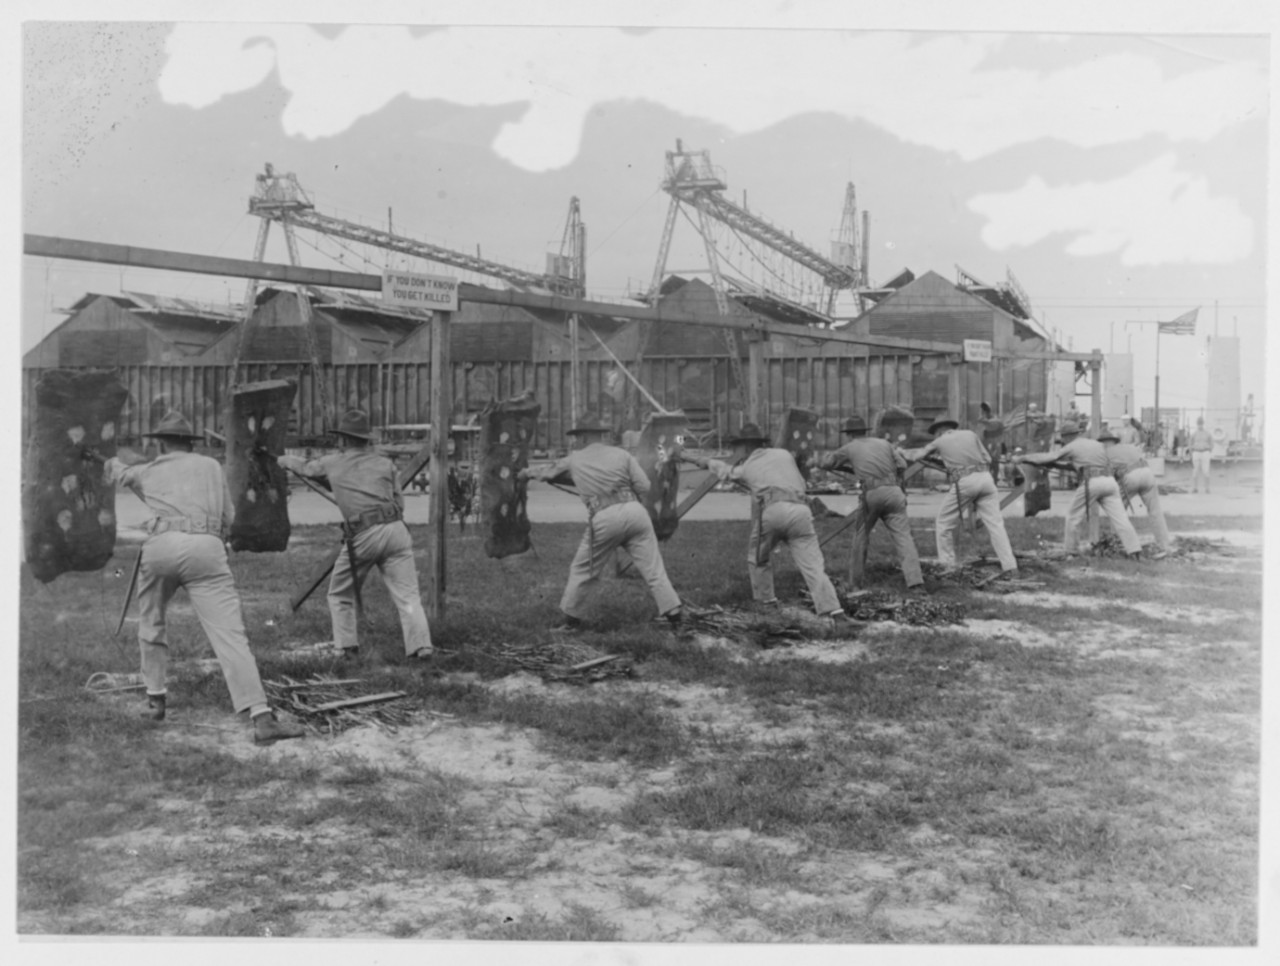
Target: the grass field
(1078, 764)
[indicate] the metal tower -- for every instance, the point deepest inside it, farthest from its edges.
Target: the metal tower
(691, 179)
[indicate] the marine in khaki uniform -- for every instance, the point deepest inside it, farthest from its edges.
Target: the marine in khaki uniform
(611, 484)
(368, 495)
(969, 472)
(779, 515)
(1136, 479)
(191, 516)
(1098, 490)
(878, 467)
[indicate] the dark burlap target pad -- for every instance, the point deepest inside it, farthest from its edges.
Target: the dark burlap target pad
(256, 428)
(895, 423)
(68, 508)
(506, 432)
(1037, 495)
(661, 438)
(795, 434)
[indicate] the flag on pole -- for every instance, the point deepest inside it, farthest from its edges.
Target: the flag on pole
(1184, 324)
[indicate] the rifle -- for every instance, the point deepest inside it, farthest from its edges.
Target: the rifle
(128, 594)
(351, 550)
(325, 566)
(703, 488)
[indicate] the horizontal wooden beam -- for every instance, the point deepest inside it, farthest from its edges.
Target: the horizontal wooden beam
(52, 247)
(87, 251)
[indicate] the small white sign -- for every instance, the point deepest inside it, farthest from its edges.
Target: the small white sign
(416, 291)
(977, 350)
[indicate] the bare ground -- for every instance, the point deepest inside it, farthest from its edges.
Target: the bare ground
(560, 822)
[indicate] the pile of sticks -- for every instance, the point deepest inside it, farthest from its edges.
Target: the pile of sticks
(882, 605)
(331, 705)
(1185, 545)
(1110, 546)
(979, 576)
(765, 630)
(570, 662)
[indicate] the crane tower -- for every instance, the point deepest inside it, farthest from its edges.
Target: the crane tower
(691, 179)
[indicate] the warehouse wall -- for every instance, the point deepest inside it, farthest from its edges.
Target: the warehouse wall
(704, 387)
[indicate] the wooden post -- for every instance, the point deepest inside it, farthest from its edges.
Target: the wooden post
(755, 368)
(441, 421)
(574, 364)
(1095, 389)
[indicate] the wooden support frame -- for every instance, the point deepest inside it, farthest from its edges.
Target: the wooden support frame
(47, 246)
(441, 420)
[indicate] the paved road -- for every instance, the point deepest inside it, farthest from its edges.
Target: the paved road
(549, 505)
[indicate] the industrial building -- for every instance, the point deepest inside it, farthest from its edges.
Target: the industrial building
(375, 356)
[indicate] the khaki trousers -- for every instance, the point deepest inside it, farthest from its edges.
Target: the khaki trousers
(978, 490)
(625, 525)
(792, 524)
(197, 562)
(1200, 462)
(1142, 482)
(1104, 497)
(887, 504)
(388, 547)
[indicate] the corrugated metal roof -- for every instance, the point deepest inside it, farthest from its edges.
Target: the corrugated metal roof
(171, 305)
(192, 335)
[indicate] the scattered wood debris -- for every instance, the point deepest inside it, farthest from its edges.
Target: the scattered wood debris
(331, 705)
(1110, 546)
(764, 629)
(883, 605)
(572, 662)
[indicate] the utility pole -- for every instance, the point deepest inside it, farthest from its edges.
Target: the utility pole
(1157, 394)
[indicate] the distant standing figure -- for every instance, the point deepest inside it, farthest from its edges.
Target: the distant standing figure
(968, 471)
(1129, 433)
(368, 494)
(1136, 479)
(878, 467)
(192, 513)
(779, 515)
(1201, 454)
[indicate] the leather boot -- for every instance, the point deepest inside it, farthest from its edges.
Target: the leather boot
(267, 728)
(155, 707)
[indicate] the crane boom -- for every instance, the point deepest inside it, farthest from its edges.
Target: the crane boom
(280, 198)
(691, 178)
(724, 210)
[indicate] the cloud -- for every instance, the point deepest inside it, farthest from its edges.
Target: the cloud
(930, 90)
(1155, 215)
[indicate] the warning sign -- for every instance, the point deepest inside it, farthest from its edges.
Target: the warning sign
(416, 291)
(977, 350)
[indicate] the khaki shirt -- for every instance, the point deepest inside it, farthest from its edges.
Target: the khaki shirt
(178, 484)
(958, 449)
(599, 470)
(361, 479)
(766, 468)
(873, 461)
(1082, 453)
(1124, 457)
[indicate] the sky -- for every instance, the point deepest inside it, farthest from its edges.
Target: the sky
(1120, 175)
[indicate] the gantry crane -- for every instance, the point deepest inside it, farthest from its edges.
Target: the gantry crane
(691, 179)
(280, 198)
